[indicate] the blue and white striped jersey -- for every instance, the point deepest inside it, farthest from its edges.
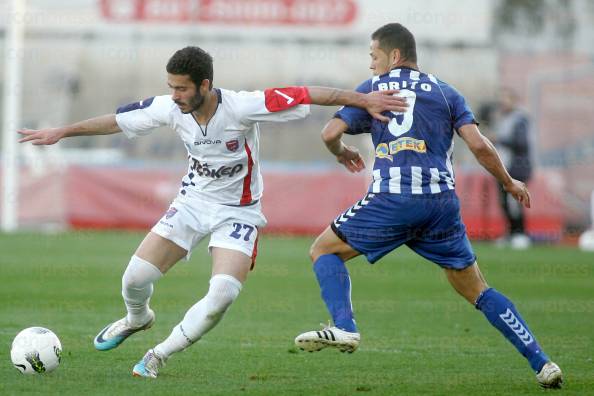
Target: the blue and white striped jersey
(413, 152)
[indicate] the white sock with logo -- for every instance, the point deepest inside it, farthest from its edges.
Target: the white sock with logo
(137, 288)
(203, 316)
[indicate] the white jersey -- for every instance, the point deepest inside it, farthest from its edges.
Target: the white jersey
(223, 154)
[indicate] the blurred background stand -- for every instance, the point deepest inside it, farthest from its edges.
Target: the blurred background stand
(86, 57)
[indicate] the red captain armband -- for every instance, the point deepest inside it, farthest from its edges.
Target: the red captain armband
(279, 99)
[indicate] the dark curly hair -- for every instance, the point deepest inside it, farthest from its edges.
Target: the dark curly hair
(192, 61)
(395, 36)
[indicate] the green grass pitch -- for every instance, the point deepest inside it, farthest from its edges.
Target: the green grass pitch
(418, 336)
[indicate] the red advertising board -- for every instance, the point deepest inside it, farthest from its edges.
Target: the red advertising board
(294, 202)
(237, 12)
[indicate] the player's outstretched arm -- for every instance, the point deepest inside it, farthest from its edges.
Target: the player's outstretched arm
(375, 102)
(487, 156)
(348, 156)
(102, 125)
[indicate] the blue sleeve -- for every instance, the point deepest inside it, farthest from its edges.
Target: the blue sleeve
(461, 112)
(358, 120)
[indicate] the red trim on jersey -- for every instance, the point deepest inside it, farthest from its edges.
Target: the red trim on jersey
(255, 251)
(246, 196)
(279, 99)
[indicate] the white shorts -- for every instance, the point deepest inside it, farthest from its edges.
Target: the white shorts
(189, 220)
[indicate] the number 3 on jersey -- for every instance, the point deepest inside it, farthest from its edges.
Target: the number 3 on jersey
(239, 228)
(394, 127)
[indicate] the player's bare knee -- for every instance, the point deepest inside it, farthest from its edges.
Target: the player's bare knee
(318, 249)
(313, 253)
(467, 282)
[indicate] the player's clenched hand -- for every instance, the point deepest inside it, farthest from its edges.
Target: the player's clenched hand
(519, 191)
(40, 137)
(351, 159)
(380, 101)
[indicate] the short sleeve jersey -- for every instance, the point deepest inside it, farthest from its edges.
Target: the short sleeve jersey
(223, 155)
(413, 152)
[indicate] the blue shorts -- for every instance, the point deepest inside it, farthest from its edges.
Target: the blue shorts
(429, 224)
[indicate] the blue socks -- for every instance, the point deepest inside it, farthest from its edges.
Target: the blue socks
(503, 315)
(335, 284)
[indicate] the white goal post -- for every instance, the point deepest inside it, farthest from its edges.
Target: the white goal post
(13, 57)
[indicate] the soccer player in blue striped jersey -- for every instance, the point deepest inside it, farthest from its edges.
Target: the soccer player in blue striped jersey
(411, 200)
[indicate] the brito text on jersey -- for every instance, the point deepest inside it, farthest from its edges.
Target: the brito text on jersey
(413, 152)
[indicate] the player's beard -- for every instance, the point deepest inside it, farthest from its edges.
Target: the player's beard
(195, 103)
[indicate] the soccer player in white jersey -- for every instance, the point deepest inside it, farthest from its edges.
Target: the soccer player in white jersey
(412, 201)
(219, 196)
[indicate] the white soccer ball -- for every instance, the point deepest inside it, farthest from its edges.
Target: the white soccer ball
(586, 241)
(36, 350)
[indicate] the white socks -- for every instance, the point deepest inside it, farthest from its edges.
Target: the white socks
(137, 288)
(203, 316)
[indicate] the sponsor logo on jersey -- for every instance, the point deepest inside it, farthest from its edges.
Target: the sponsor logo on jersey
(170, 213)
(232, 145)
(206, 141)
(386, 150)
(407, 143)
(382, 151)
(204, 170)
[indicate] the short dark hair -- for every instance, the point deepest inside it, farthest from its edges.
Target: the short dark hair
(395, 36)
(193, 61)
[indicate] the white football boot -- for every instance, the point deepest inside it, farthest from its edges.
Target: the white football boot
(115, 333)
(550, 376)
(149, 365)
(329, 336)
